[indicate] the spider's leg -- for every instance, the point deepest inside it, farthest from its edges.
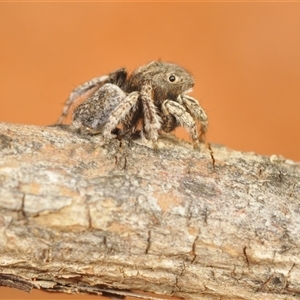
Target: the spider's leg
(152, 121)
(117, 77)
(182, 116)
(196, 111)
(91, 115)
(119, 113)
(131, 120)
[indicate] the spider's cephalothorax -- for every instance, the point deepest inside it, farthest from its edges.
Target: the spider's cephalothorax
(155, 94)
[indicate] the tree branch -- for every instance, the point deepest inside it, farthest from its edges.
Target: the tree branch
(124, 218)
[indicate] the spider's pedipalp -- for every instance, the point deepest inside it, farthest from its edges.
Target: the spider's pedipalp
(182, 116)
(195, 110)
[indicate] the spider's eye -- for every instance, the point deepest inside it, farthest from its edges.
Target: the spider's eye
(172, 78)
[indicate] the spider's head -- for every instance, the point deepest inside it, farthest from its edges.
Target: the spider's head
(169, 80)
(176, 81)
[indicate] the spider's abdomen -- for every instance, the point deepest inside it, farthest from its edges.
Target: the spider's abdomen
(95, 111)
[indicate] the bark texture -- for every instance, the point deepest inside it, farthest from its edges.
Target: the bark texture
(124, 218)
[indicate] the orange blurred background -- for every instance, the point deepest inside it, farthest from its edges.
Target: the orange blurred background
(245, 58)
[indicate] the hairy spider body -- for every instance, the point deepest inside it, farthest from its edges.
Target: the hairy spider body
(155, 94)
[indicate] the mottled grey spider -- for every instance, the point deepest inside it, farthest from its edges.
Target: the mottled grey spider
(154, 95)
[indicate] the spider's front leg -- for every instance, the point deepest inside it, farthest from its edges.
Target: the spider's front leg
(193, 107)
(117, 77)
(172, 109)
(152, 121)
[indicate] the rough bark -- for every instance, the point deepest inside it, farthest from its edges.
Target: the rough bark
(124, 218)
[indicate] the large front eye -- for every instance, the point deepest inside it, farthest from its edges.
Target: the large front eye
(172, 78)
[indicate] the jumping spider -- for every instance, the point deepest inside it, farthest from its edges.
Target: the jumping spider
(154, 94)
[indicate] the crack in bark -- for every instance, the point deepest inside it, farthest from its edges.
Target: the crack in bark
(148, 242)
(90, 226)
(212, 156)
(288, 276)
(246, 256)
(22, 211)
(280, 175)
(177, 279)
(194, 249)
